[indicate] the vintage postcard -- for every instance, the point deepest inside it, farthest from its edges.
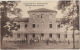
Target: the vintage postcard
(39, 24)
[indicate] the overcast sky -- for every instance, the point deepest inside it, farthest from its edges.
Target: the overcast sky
(24, 6)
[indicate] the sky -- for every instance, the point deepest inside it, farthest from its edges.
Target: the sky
(29, 5)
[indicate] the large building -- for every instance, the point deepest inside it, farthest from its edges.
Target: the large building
(41, 24)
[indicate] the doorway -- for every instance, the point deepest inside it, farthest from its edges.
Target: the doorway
(42, 36)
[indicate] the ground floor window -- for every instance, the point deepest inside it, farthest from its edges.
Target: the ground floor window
(42, 35)
(25, 36)
(33, 35)
(33, 25)
(50, 35)
(18, 35)
(58, 35)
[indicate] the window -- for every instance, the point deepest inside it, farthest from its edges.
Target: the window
(33, 26)
(25, 25)
(41, 15)
(58, 26)
(42, 35)
(33, 35)
(25, 36)
(18, 26)
(58, 35)
(65, 36)
(50, 35)
(18, 35)
(50, 25)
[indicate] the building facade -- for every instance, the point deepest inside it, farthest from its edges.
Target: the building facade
(41, 24)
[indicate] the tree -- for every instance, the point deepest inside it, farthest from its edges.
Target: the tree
(67, 9)
(7, 7)
(71, 8)
(65, 20)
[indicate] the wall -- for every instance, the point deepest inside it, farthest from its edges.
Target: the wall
(42, 24)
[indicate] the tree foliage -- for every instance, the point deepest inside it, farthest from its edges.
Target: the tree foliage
(7, 7)
(70, 9)
(63, 4)
(65, 20)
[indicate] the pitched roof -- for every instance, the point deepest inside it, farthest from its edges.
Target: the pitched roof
(17, 19)
(42, 10)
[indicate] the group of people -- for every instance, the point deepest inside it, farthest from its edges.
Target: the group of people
(50, 40)
(56, 41)
(33, 40)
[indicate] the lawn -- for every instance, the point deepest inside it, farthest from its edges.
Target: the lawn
(39, 45)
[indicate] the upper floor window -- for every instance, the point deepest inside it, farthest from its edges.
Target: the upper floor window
(50, 35)
(58, 26)
(50, 25)
(25, 25)
(42, 35)
(33, 25)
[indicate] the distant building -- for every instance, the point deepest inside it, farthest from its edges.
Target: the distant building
(41, 24)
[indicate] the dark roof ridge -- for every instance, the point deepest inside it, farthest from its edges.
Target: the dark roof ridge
(42, 10)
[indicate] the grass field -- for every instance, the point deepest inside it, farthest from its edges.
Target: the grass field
(39, 45)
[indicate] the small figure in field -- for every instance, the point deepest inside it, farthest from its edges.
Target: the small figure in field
(68, 42)
(31, 41)
(47, 42)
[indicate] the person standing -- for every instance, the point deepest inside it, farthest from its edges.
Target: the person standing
(68, 42)
(47, 42)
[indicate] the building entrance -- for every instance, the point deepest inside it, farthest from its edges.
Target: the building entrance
(42, 37)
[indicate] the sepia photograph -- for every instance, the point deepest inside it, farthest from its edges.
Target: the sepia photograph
(39, 24)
